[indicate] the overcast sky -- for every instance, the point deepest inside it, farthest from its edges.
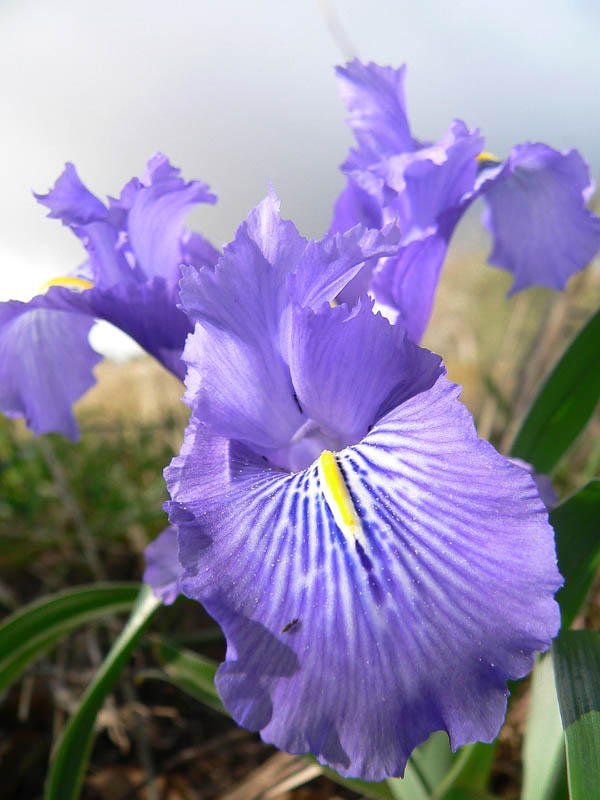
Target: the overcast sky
(237, 92)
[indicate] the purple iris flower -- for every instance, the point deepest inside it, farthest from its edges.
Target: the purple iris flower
(534, 200)
(378, 570)
(135, 246)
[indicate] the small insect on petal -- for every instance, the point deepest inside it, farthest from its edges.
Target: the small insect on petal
(290, 625)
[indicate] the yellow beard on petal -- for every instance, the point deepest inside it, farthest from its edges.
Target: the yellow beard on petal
(485, 156)
(338, 498)
(75, 284)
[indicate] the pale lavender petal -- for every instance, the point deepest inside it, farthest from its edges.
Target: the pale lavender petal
(156, 220)
(406, 284)
(543, 232)
(70, 201)
(198, 251)
(374, 96)
(345, 366)
(237, 378)
(88, 218)
(353, 206)
(163, 568)
(326, 268)
(429, 190)
(434, 181)
(46, 362)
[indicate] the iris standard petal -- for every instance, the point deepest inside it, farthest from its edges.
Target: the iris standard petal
(46, 362)
(354, 206)
(536, 212)
(237, 377)
(197, 250)
(77, 208)
(326, 268)
(406, 283)
(345, 365)
(156, 221)
(434, 181)
(70, 201)
(374, 96)
(356, 641)
(163, 568)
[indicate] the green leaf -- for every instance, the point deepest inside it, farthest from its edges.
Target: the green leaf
(475, 765)
(426, 768)
(564, 404)
(576, 523)
(458, 793)
(32, 630)
(375, 791)
(184, 669)
(469, 772)
(543, 748)
(68, 767)
(576, 658)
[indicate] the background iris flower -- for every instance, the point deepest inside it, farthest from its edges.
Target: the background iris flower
(135, 247)
(534, 200)
(378, 570)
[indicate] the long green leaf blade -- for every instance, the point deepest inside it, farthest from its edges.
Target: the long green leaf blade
(68, 767)
(576, 659)
(426, 769)
(576, 523)
(543, 748)
(564, 404)
(375, 791)
(32, 630)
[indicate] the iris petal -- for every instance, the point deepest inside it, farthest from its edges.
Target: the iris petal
(71, 202)
(536, 211)
(149, 313)
(357, 653)
(156, 219)
(345, 365)
(435, 182)
(542, 231)
(375, 97)
(163, 568)
(406, 284)
(36, 380)
(355, 205)
(237, 375)
(325, 268)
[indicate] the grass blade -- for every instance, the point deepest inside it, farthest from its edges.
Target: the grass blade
(576, 659)
(543, 748)
(564, 404)
(32, 630)
(68, 767)
(375, 791)
(577, 527)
